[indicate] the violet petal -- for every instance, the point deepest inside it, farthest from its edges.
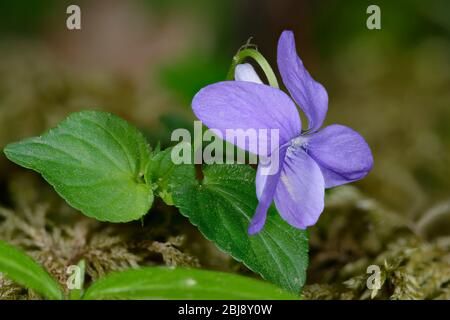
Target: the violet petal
(310, 95)
(342, 154)
(246, 105)
(266, 188)
(300, 192)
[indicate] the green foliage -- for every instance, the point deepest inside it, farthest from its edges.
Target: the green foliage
(145, 283)
(102, 166)
(222, 205)
(159, 172)
(95, 161)
(19, 267)
(179, 283)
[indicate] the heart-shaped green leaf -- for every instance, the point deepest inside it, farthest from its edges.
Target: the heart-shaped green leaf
(179, 283)
(95, 161)
(222, 205)
(19, 267)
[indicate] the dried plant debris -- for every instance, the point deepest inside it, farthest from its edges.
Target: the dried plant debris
(362, 233)
(355, 232)
(57, 237)
(11, 291)
(170, 253)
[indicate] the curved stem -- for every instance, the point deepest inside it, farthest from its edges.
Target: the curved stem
(258, 57)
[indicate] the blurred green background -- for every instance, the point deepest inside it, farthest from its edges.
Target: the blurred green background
(145, 59)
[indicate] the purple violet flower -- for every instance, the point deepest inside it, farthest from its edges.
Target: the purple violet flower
(310, 160)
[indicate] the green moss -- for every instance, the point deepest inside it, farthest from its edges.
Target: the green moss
(363, 233)
(57, 236)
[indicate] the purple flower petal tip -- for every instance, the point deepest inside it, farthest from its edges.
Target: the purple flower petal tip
(342, 154)
(309, 94)
(255, 228)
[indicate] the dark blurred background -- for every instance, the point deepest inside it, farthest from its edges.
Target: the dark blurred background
(145, 59)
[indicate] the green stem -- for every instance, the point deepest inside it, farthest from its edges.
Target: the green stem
(258, 57)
